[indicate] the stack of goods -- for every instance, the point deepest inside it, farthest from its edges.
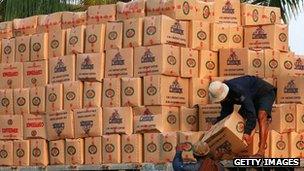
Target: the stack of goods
(120, 83)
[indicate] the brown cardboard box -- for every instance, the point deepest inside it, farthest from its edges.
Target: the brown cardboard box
(168, 143)
(92, 94)
(62, 69)
(119, 63)
(208, 64)
(57, 152)
(74, 153)
(114, 35)
(180, 10)
(21, 101)
(133, 31)
(227, 12)
(163, 29)
(158, 59)
(220, 36)
(287, 61)
(94, 42)
(205, 11)
(226, 136)
(199, 35)
(35, 73)
(156, 119)
(93, 150)
(290, 90)
(6, 156)
(37, 100)
(54, 97)
(189, 139)
(117, 120)
(21, 152)
(278, 145)
(272, 63)
(188, 119)
(131, 148)
(56, 43)
(198, 91)
(299, 65)
(90, 66)
(154, 7)
(299, 118)
(283, 119)
(152, 148)
(252, 14)
(8, 50)
(238, 62)
(132, 9)
(39, 47)
(101, 13)
(39, 152)
(22, 53)
(131, 92)
(11, 127)
(267, 36)
(236, 36)
(47, 23)
(295, 141)
(75, 40)
(6, 29)
(88, 122)
(72, 95)
(253, 148)
(189, 63)
(111, 148)
(7, 103)
(111, 96)
(60, 125)
(34, 126)
(73, 19)
(164, 90)
(272, 15)
(25, 26)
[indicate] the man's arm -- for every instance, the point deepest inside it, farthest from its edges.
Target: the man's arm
(179, 165)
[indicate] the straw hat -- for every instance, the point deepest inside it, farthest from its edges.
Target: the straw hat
(218, 91)
(201, 148)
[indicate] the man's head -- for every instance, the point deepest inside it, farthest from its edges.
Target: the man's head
(218, 91)
(201, 149)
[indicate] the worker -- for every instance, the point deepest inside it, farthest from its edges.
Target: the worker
(256, 98)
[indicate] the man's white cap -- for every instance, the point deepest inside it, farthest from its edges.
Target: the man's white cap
(218, 91)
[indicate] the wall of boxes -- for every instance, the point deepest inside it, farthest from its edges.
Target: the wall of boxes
(122, 83)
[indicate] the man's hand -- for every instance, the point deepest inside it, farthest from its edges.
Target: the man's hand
(247, 138)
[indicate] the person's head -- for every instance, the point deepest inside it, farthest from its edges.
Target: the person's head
(200, 149)
(218, 91)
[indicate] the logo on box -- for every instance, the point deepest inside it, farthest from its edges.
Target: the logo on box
(291, 87)
(87, 64)
(59, 127)
(259, 33)
(128, 148)
(115, 118)
(228, 8)
(148, 57)
(175, 87)
(177, 28)
(86, 126)
(233, 59)
(60, 66)
(118, 60)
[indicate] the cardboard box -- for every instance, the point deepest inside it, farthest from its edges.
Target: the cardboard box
(92, 94)
(226, 136)
(7, 103)
(111, 148)
(101, 13)
(285, 115)
(22, 53)
(132, 151)
(133, 31)
(253, 148)
(272, 63)
(299, 65)
(132, 9)
(74, 154)
(37, 100)
(220, 36)
(272, 15)
(163, 29)
(54, 97)
(117, 120)
(11, 127)
(290, 90)
(114, 35)
(252, 14)
(50, 22)
(6, 156)
(180, 10)
(189, 63)
(6, 29)
(57, 152)
(35, 73)
(119, 63)
(158, 59)
(168, 143)
(56, 43)
(75, 40)
(199, 35)
(156, 119)
(62, 69)
(21, 101)
(236, 36)
(287, 61)
(21, 152)
(111, 92)
(90, 66)
(238, 62)
(299, 118)
(39, 152)
(267, 36)
(11, 75)
(25, 26)
(208, 115)
(94, 42)
(205, 11)
(93, 150)
(39, 47)
(72, 95)
(208, 64)
(295, 141)
(189, 139)
(73, 19)
(8, 50)
(88, 122)
(164, 90)
(131, 92)
(34, 126)
(227, 12)
(188, 119)
(60, 125)
(278, 145)
(198, 91)
(152, 148)
(154, 7)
